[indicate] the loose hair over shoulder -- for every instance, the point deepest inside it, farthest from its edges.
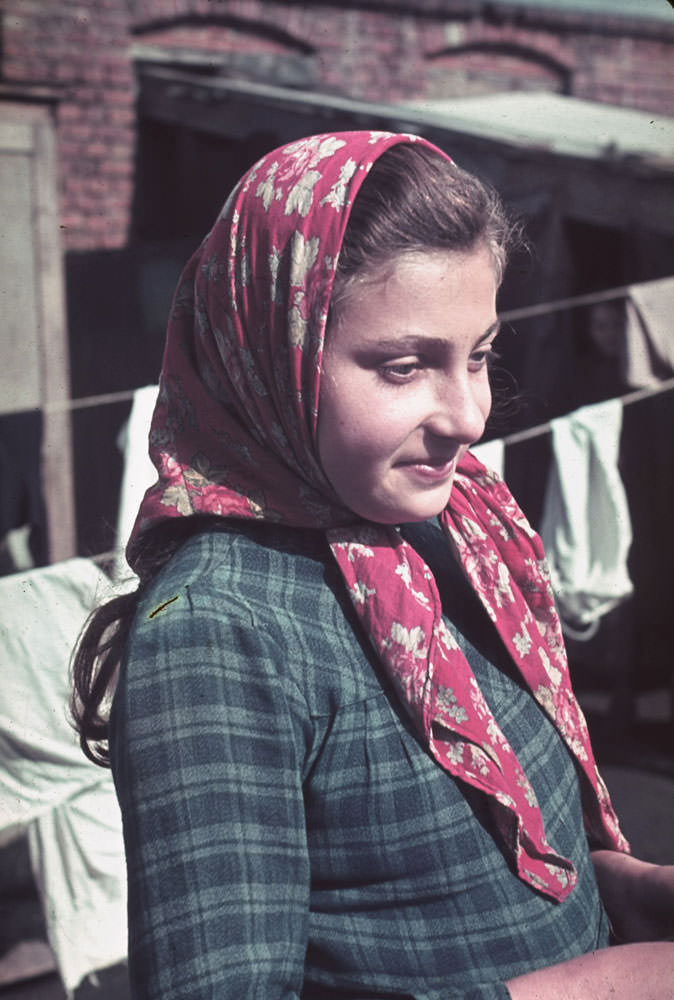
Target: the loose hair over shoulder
(100, 648)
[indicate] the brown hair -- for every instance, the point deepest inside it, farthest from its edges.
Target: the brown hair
(413, 200)
(101, 645)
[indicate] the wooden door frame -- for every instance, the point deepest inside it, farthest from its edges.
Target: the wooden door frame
(36, 130)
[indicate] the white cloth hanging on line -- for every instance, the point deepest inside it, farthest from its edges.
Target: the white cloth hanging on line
(491, 454)
(139, 472)
(649, 332)
(586, 528)
(48, 788)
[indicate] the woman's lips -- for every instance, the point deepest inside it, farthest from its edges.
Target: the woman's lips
(431, 470)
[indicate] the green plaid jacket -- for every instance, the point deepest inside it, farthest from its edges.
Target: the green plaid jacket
(286, 833)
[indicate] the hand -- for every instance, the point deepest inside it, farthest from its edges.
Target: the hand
(638, 896)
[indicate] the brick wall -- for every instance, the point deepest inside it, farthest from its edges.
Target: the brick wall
(438, 50)
(79, 51)
(378, 52)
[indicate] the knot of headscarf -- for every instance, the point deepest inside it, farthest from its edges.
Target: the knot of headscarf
(234, 434)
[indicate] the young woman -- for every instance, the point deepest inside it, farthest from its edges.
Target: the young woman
(349, 761)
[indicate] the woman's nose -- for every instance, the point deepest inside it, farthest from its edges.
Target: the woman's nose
(460, 410)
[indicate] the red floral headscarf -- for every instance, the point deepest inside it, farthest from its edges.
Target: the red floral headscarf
(234, 434)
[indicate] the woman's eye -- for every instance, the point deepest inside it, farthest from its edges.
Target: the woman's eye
(400, 371)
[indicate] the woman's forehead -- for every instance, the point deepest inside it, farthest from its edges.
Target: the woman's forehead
(426, 300)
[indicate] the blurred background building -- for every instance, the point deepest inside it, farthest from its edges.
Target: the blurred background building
(123, 125)
(126, 123)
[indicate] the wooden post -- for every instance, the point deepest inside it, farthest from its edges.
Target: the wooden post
(41, 354)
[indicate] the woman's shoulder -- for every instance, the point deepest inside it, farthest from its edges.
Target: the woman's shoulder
(282, 586)
(247, 562)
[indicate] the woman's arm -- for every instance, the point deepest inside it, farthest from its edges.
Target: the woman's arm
(639, 899)
(638, 896)
(207, 753)
(627, 972)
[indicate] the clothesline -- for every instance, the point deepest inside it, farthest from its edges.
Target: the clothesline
(525, 312)
(518, 436)
(82, 402)
(544, 308)
(630, 397)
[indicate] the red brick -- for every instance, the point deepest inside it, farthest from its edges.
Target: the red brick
(81, 47)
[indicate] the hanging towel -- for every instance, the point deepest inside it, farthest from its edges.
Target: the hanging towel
(139, 472)
(48, 788)
(78, 863)
(586, 526)
(491, 454)
(649, 332)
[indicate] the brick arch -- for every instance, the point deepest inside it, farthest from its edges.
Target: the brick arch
(228, 46)
(482, 67)
(257, 30)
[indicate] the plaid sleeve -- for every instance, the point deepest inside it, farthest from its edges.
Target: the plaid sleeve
(243, 677)
(207, 757)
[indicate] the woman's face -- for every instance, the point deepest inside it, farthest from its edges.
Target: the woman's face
(404, 387)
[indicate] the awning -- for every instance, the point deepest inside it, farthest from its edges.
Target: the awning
(601, 164)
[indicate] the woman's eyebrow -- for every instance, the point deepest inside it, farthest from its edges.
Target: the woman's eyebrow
(414, 343)
(411, 343)
(417, 343)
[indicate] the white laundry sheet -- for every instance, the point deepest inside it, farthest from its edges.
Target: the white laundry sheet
(139, 472)
(491, 454)
(47, 787)
(586, 527)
